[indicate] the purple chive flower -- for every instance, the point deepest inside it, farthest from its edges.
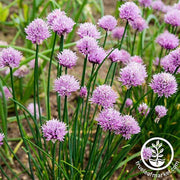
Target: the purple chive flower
(161, 111)
(65, 85)
(125, 57)
(7, 93)
(147, 153)
(157, 5)
(133, 74)
(167, 40)
(1, 139)
(10, 57)
(37, 31)
(53, 15)
(108, 119)
(129, 11)
(145, 3)
(4, 43)
(164, 84)
(143, 109)
(88, 29)
(108, 22)
(115, 56)
(54, 130)
(175, 56)
(176, 6)
(129, 102)
(97, 56)
(139, 24)
(63, 25)
(31, 109)
(127, 126)
(173, 17)
(32, 63)
(104, 95)
(22, 71)
(137, 59)
(67, 58)
(83, 92)
(86, 45)
(118, 32)
(166, 9)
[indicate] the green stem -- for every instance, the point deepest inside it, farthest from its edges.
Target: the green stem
(132, 52)
(106, 79)
(105, 39)
(49, 74)
(160, 55)
(53, 160)
(84, 71)
(176, 70)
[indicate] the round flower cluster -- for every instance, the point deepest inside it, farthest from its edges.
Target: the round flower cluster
(127, 126)
(129, 102)
(129, 11)
(104, 95)
(86, 45)
(67, 58)
(7, 93)
(139, 24)
(22, 71)
(37, 31)
(137, 59)
(115, 56)
(147, 153)
(54, 130)
(118, 32)
(88, 29)
(1, 139)
(133, 74)
(164, 84)
(83, 92)
(167, 40)
(161, 111)
(30, 108)
(65, 85)
(97, 56)
(10, 57)
(108, 119)
(173, 17)
(107, 22)
(143, 109)
(157, 5)
(145, 3)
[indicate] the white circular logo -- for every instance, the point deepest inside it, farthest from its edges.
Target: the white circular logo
(159, 148)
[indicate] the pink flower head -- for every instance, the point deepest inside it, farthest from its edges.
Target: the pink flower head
(176, 6)
(32, 63)
(88, 29)
(108, 119)
(63, 25)
(104, 95)
(129, 11)
(118, 32)
(67, 58)
(7, 93)
(31, 109)
(65, 85)
(86, 45)
(167, 40)
(108, 22)
(37, 31)
(125, 57)
(54, 130)
(129, 102)
(147, 153)
(115, 56)
(175, 56)
(53, 15)
(1, 139)
(157, 5)
(164, 84)
(161, 111)
(173, 17)
(97, 56)
(133, 74)
(10, 57)
(137, 59)
(83, 92)
(22, 71)
(127, 126)
(143, 109)
(145, 3)
(139, 24)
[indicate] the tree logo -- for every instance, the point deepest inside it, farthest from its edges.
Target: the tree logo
(157, 153)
